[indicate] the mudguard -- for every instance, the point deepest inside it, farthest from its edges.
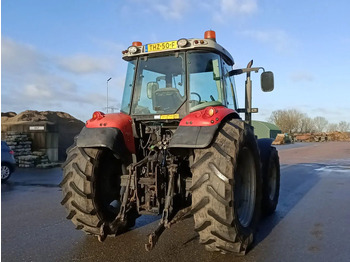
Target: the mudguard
(113, 131)
(197, 129)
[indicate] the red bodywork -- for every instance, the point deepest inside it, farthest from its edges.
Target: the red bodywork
(209, 116)
(118, 120)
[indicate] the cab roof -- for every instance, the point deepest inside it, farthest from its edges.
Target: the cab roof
(208, 43)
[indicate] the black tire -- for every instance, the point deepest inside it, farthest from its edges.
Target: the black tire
(271, 182)
(90, 183)
(222, 219)
(6, 172)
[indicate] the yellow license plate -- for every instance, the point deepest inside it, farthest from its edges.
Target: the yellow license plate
(161, 46)
(174, 116)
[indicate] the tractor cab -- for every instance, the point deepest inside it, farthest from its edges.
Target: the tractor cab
(169, 80)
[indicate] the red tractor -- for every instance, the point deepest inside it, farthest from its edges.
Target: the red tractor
(177, 148)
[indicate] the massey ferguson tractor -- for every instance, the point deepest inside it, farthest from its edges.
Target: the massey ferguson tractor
(178, 148)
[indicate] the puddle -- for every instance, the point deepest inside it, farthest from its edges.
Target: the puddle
(342, 169)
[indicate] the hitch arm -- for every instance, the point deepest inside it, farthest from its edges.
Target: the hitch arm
(120, 222)
(153, 237)
(167, 212)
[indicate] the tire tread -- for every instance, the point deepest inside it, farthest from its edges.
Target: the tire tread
(77, 189)
(213, 180)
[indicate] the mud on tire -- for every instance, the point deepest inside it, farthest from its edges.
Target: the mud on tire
(223, 220)
(90, 183)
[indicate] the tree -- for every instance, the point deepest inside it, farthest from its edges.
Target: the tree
(289, 121)
(343, 126)
(320, 123)
(306, 124)
(332, 127)
(293, 121)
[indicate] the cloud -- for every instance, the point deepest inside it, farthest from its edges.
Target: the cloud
(239, 7)
(35, 80)
(279, 39)
(302, 76)
(229, 8)
(32, 91)
(220, 11)
(173, 9)
(333, 115)
(84, 64)
(19, 58)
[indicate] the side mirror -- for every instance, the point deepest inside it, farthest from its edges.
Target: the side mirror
(151, 88)
(267, 82)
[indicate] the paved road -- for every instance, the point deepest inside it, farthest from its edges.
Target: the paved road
(311, 222)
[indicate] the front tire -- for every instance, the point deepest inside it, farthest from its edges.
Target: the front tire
(226, 189)
(90, 184)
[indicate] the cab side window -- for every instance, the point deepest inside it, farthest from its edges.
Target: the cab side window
(230, 87)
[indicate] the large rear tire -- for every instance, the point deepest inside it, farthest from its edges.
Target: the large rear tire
(91, 182)
(226, 189)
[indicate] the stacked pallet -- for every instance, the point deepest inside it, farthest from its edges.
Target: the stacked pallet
(35, 159)
(279, 140)
(21, 144)
(339, 136)
(322, 137)
(314, 137)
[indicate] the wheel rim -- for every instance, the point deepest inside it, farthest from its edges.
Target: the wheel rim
(245, 187)
(272, 182)
(5, 172)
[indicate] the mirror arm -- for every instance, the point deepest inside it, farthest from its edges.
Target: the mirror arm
(235, 72)
(245, 70)
(253, 69)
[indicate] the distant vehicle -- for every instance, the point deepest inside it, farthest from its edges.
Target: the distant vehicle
(8, 162)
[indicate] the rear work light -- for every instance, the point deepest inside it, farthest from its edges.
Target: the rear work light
(182, 42)
(132, 49)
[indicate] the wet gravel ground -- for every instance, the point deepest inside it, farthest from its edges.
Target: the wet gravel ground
(311, 222)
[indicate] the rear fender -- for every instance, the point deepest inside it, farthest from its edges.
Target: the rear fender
(197, 129)
(113, 131)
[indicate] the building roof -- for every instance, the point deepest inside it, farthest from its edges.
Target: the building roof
(265, 124)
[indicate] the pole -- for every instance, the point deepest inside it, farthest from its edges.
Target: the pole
(107, 91)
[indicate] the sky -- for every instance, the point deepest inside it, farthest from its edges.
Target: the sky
(58, 55)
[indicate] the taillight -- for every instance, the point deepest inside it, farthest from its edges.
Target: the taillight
(210, 111)
(12, 152)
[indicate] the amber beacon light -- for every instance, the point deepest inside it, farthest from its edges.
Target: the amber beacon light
(210, 34)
